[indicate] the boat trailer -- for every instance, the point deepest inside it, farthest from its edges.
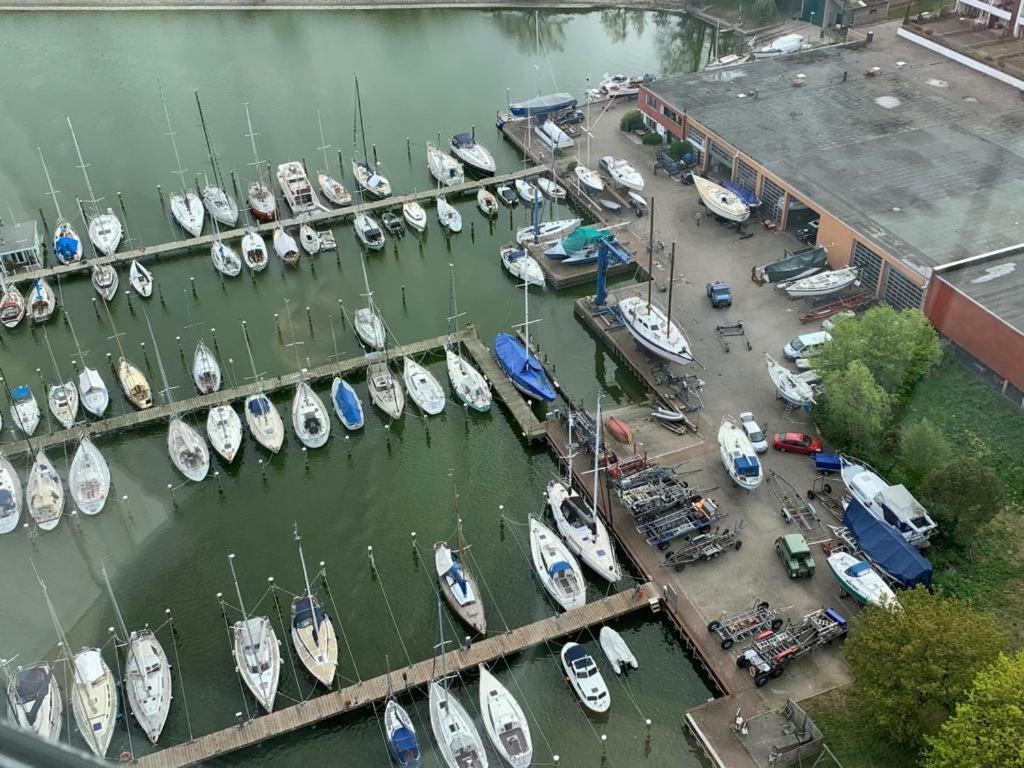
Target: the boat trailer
(794, 508)
(772, 652)
(732, 330)
(705, 546)
(821, 491)
(747, 624)
(697, 515)
(857, 302)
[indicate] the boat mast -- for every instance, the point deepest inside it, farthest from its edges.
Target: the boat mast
(52, 192)
(366, 281)
(120, 621)
(160, 365)
(324, 146)
(597, 453)
(453, 312)
(569, 458)
(671, 278)
(305, 574)
(255, 376)
(252, 139)
(241, 605)
(53, 359)
(83, 166)
(209, 146)
(526, 317)
(362, 128)
(295, 342)
(172, 133)
(536, 27)
(117, 334)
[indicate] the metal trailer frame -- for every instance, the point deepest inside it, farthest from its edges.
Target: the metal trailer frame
(727, 330)
(654, 499)
(735, 628)
(794, 508)
(649, 474)
(821, 491)
(660, 531)
(705, 546)
(769, 656)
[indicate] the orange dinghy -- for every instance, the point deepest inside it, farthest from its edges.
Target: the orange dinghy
(619, 429)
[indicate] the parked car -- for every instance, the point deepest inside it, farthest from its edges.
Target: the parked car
(795, 555)
(570, 118)
(808, 234)
(720, 294)
(806, 344)
(796, 442)
(754, 433)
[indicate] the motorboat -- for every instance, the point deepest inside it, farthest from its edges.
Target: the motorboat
(504, 721)
(721, 201)
(92, 391)
(469, 384)
(369, 234)
(24, 410)
(458, 586)
(134, 385)
(403, 743)
(551, 188)
(385, 389)
(105, 232)
(67, 245)
(616, 650)
(93, 697)
(521, 265)
(506, 195)
(187, 450)
(859, 579)
(105, 281)
(44, 493)
(539, 106)
(553, 137)
(457, 738)
(738, 455)
(254, 251)
(473, 155)
(556, 567)
(333, 189)
(63, 402)
(310, 420)
(206, 372)
(41, 301)
(622, 173)
(347, 404)
(652, 329)
(585, 678)
(141, 279)
(780, 45)
(802, 263)
(527, 192)
(486, 202)
(286, 247)
(258, 658)
(614, 86)
(34, 701)
(448, 215)
(728, 60)
(224, 431)
(10, 496)
(423, 387)
(309, 239)
(414, 215)
(588, 180)
(791, 388)
(583, 531)
(264, 422)
(393, 223)
(823, 283)
(370, 181)
(258, 194)
(187, 210)
(546, 230)
(892, 504)
(443, 167)
(637, 202)
(225, 260)
(12, 306)
(295, 186)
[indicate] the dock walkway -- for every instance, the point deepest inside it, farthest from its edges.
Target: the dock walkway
(417, 675)
(530, 427)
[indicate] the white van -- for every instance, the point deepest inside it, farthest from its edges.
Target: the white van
(806, 345)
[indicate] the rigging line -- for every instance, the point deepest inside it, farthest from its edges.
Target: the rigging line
(287, 645)
(231, 645)
(124, 685)
(344, 635)
(181, 677)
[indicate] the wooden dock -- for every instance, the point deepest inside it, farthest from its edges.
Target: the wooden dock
(416, 676)
(530, 427)
(327, 216)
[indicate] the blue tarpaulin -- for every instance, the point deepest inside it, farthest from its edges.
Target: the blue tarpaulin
(886, 547)
(66, 247)
(746, 196)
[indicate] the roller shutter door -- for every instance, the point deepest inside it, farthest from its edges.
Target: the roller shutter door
(900, 291)
(772, 198)
(698, 141)
(721, 156)
(746, 176)
(870, 265)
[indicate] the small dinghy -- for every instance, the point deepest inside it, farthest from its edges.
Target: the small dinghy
(583, 531)
(448, 215)
(385, 390)
(585, 678)
(668, 415)
(393, 224)
(333, 189)
(347, 404)
(225, 260)
(63, 402)
(369, 234)
(286, 247)
(224, 431)
(527, 192)
(506, 195)
(254, 251)
(34, 701)
(457, 737)
(791, 388)
(443, 167)
(486, 202)
(93, 391)
(187, 450)
(588, 180)
(721, 201)
(310, 420)
(134, 385)
(556, 567)
(414, 215)
(546, 230)
(41, 301)
(89, 478)
(738, 455)
(474, 155)
(619, 429)
(609, 205)
(105, 281)
(44, 493)
(469, 384)
(504, 721)
(309, 239)
(458, 586)
(205, 370)
(141, 279)
(860, 580)
(12, 306)
(258, 658)
(187, 210)
(94, 700)
(423, 387)
(823, 283)
(401, 734)
(24, 410)
(521, 265)
(616, 650)
(551, 188)
(264, 422)
(10, 496)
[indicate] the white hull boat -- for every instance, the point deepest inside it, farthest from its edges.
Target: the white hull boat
(385, 390)
(457, 738)
(368, 232)
(224, 431)
(552, 189)
(860, 580)
(738, 455)
(504, 721)
(401, 735)
(10, 496)
(254, 251)
(780, 45)
(93, 392)
(589, 180)
(221, 205)
(729, 60)
(262, 202)
(448, 215)
(310, 420)
(460, 589)
(225, 260)
(414, 215)
(295, 186)
(823, 283)
(205, 370)
(892, 504)
(486, 202)
(309, 239)
(791, 388)
(34, 701)
(141, 279)
(12, 306)
(616, 650)
(521, 265)
(622, 173)
(469, 384)
(286, 247)
(423, 387)
(583, 531)
(134, 385)
(24, 410)
(187, 210)
(347, 404)
(44, 493)
(654, 331)
(556, 567)
(63, 402)
(314, 639)
(41, 301)
(527, 192)
(148, 682)
(105, 281)
(188, 450)
(94, 700)
(443, 167)
(89, 478)
(553, 137)
(370, 327)
(105, 232)
(333, 189)
(546, 230)
(370, 181)
(473, 155)
(264, 422)
(258, 658)
(585, 678)
(721, 201)
(64, 231)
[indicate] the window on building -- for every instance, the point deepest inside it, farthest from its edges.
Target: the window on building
(671, 115)
(870, 265)
(721, 159)
(900, 291)
(652, 102)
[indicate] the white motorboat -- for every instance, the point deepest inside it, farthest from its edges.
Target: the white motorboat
(10, 496)
(258, 194)
(89, 478)
(521, 265)
(295, 186)
(347, 404)
(224, 431)
(205, 370)
(448, 215)
(286, 247)
(858, 578)
(791, 388)
(385, 389)
(588, 179)
(63, 402)
(368, 232)
(401, 735)
(469, 384)
(551, 188)
(585, 678)
(457, 737)
(370, 181)
(309, 239)
(225, 260)
(93, 391)
(616, 650)
(44, 493)
(264, 422)
(258, 658)
(134, 384)
(333, 189)
(105, 232)
(443, 167)
(654, 331)
(105, 281)
(622, 173)
(823, 283)
(93, 697)
(728, 60)
(312, 631)
(613, 86)
(892, 504)
(504, 721)
(486, 202)
(556, 567)
(310, 420)
(553, 137)
(41, 301)
(414, 215)
(24, 410)
(141, 279)
(583, 531)
(423, 387)
(721, 201)
(187, 210)
(254, 251)
(738, 455)
(187, 450)
(506, 195)
(546, 230)
(12, 305)
(460, 589)
(780, 45)
(527, 192)
(475, 156)
(34, 701)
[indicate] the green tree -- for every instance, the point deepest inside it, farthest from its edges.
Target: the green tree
(678, 148)
(632, 119)
(651, 139)
(988, 728)
(963, 494)
(855, 409)
(913, 665)
(922, 448)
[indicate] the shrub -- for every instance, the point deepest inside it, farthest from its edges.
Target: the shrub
(651, 139)
(631, 121)
(678, 148)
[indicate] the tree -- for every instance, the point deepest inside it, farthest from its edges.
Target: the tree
(652, 138)
(963, 494)
(922, 448)
(631, 120)
(988, 728)
(855, 408)
(913, 665)
(678, 148)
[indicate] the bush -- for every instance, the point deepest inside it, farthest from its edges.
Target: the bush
(572, 166)
(855, 410)
(631, 121)
(922, 448)
(652, 139)
(678, 148)
(963, 495)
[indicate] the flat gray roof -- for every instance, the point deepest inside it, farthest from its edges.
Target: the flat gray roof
(925, 159)
(995, 281)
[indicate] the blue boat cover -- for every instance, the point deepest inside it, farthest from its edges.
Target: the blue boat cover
(66, 247)
(558, 567)
(456, 572)
(886, 547)
(259, 406)
(348, 402)
(463, 140)
(405, 746)
(857, 569)
(542, 105)
(21, 394)
(747, 466)
(576, 653)
(746, 196)
(6, 500)
(524, 369)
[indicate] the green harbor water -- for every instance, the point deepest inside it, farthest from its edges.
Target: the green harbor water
(421, 72)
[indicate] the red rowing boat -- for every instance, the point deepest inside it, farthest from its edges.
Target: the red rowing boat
(619, 429)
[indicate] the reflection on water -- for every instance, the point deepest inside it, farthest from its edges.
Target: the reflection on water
(523, 27)
(618, 23)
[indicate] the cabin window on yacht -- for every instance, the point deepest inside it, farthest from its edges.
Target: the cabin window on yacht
(901, 292)
(772, 199)
(870, 265)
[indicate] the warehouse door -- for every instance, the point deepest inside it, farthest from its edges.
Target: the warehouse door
(746, 176)
(699, 143)
(772, 200)
(900, 291)
(721, 162)
(870, 265)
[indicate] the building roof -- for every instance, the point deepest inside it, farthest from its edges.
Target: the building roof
(925, 159)
(17, 237)
(993, 280)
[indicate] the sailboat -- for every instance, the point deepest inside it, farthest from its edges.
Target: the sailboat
(147, 675)
(312, 631)
(652, 328)
(367, 177)
(504, 721)
(346, 402)
(738, 455)
(368, 231)
(261, 200)
(256, 651)
(310, 239)
(12, 304)
(423, 387)
(721, 201)
(551, 188)
(44, 493)
(10, 496)
(588, 179)
(261, 414)
(443, 167)
(41, 301)
(458, 586)
(486, 202)
(368, 323)
(521, 265)
(105, 281)
(475, 156)
(469, 384)
(385, 389)
(556, 567)
(67, 245)
(141, 279)
(414, 215)
(34, 701)
(105, 229)
(62, 398)
(224, 258)
(218, 202)
(133, 382)
(448, 215)
(89, 478)
(286, 247)
(310, 419)
(401, 735)
(545, 230)
(526, 191)
(186, 207)
(790, 387)
(205, 370)
(92, 390)
(331, 188)
(24, 409)
(254, 250)
(519, 363)
(224, 430)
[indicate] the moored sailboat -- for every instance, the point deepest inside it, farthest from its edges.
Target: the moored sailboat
(261, 414)
(256, 651)
(105, 229)
(67, 245)
(185, 205)
(556, 567)
(224, 431)
(258, 195)
(224, 258)
(12, 304)
(141, 279)
(89, 478)
(521, 265)
(504, 721)
(41, 301)
(286, 247)
(34, 701)
(206, 372)
(443, 167)
(44, 493)
(385, 389)
(312, 631)
(458, 586)
(10, 496)
(448, 215)
(254, 251)
(423, 387)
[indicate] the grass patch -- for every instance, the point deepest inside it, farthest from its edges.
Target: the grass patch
(856, 743)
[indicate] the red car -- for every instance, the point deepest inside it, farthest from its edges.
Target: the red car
(796, 442)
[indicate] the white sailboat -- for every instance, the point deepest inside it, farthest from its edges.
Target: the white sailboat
(414, 215)
(791, 388)
(654, 329)
(141, 279)
(105, 281)
(551, 188)
(368, 231)
(616, 650)
(588, 179)
(89, 478)
(459, 587)
(218, 202)
(206, 372)
(443, 167)
(721, 201)
(738, 455)
(526, 191)
(24, 410)
(423, 387)
(63, 402)
(546, 230)
(258, 194)
(224, 258)
(622, 173)
(448, 215)
(10, 496)
(486, 202)
(310, 420)
(310, 239)
(385, 389)
(823, 283)
(105, 230)
(368, 177)
(312, 631)
(44, 493)
(401, 735)
(186, 207)
(504, 721)
(469, 384)
(286, 247)
(12, 304)
(367, 321)
(132, 381)
(556, 567)
(224, 431)
(522, 265)
(254, 251)
(40, 300)
(67, 245)
(256, 651)
(330, 187)
(261, 414)
(92, 390)
(34, 701)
